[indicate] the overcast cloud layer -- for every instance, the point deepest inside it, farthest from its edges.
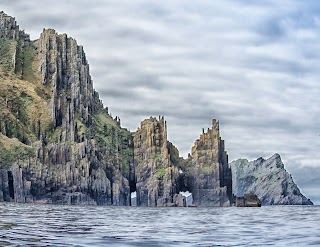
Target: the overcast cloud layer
(254, 66)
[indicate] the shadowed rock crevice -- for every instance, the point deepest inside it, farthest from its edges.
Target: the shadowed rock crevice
(11, 186)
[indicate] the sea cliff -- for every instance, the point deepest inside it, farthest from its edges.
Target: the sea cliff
(59, 144)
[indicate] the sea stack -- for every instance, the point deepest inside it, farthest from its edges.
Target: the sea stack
(155, 164)
(206, 172)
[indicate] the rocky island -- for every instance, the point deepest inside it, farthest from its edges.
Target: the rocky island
(268, 179)
(59, 144)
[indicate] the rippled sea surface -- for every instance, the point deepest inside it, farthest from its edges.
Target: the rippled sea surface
(54, 225)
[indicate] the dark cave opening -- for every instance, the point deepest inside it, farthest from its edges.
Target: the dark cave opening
(182, 184)
(133, 186)
(10, 183)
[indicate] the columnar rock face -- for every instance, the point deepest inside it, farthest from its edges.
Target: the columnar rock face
(73, 151)
(16, 41)
(206, 173)
(57, 142)
(63, 66)
(155, 163)
(10, 30)
(160, 174)
(268, 179)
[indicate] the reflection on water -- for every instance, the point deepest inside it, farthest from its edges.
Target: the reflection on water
(53, 225)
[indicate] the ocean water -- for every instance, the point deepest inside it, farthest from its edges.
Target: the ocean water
(56, 225)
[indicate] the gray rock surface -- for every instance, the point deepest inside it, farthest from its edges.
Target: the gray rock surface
(248, 200)
(10, 30)
(155, 164)
(206, 172)
(268, 179)
(81, 155)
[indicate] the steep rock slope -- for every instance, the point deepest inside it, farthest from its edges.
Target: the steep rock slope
(57, 142)
(268, 179)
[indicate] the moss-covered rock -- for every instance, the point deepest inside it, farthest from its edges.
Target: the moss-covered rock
(12, 150)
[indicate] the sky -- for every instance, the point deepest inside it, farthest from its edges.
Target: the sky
(253, 65)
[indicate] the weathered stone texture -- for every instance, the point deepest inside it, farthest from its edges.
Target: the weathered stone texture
(206, 172)
(64, 67)
(67, 174)
(268, 179)
(155, 164)
(248, 200)
(160, 173)
(10, 30)
(85, 157)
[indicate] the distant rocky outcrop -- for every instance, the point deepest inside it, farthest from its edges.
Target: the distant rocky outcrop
(268, 179)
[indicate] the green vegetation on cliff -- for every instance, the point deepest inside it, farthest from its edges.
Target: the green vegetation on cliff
(7, 57)
(27, 70)
(104, 128)
(160, 169)
(50, 111)
(108, 134)
(12, 150)
(23, 112)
